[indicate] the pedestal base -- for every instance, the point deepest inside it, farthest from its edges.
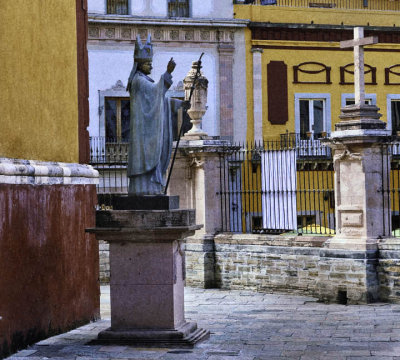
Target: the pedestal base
(185, 336)
(143, 202)
(348, 276)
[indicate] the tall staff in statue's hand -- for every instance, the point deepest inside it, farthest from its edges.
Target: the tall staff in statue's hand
(186, 107)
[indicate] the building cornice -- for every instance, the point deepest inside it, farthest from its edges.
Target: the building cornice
(252, 24)
(154, 21)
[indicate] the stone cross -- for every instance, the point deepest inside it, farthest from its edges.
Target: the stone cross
(358, 45)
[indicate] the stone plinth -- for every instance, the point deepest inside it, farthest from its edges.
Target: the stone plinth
(361, 165)
(147, 277)
(196, 178)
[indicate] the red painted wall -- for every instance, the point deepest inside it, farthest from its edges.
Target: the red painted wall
(48, 264)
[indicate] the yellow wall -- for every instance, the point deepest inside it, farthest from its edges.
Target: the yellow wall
(38, 87)
(333, 58)
(276, 14)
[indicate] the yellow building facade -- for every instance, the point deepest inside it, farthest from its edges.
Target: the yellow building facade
(298, 78)
(39, 82)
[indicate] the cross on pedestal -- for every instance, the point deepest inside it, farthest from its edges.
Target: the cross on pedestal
(358, 44)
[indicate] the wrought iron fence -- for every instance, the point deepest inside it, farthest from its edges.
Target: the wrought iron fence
(384, 5)
(390, 180)
(283, 186)
(110, 157)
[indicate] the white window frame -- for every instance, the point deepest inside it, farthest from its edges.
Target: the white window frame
(313, 96)
(350, 96)
(389, 99)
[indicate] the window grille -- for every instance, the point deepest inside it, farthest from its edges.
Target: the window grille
(178, 8)
(119, 7)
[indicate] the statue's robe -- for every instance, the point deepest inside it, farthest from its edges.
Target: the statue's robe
(150, 133)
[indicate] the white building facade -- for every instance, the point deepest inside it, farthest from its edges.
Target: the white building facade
(181, 29)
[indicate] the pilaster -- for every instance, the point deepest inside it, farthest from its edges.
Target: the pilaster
(226, 89)
(196, 178)
(257, 94)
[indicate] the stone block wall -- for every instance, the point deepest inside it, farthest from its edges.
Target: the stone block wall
(200, 265)
(104, 258)
(296, 265)
(346, 276)
(264, 263)
(389, 271)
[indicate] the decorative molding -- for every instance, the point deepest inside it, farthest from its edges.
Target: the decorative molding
(196, 162)
(109, 33)
(94, 32)
(160, 34)
(119, 86)
(301, 68)
(389, 71)
(344, 70)
(126, 33)
(32, 172)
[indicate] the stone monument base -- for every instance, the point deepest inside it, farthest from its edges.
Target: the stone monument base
(186, 335)
(348, 276)
(147, 276)
(143, 202)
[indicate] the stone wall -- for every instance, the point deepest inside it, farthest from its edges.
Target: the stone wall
(104, 258)
(267, 263)
(389, 270)
(296, 265)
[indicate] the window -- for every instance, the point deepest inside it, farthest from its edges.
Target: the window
(348, 99)
(178, 8)
(311, 118)
(119, 7)
(312, 114)
(393, 113)
(117, 118)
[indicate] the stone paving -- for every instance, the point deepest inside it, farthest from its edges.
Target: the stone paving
(247, 325)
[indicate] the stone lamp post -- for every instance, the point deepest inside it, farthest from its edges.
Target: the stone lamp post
(198, 101)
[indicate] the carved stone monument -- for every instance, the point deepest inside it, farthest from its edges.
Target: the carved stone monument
(195, 178)
(145, 229)
(198, 101)
(359, 161)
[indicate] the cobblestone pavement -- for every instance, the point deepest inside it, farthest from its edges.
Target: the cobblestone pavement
(250, 326)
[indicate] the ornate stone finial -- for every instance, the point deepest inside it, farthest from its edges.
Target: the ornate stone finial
(143, 52)
(198, 101)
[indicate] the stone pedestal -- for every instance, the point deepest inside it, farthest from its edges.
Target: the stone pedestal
(362, 219)
(147, 277)
(196, 178)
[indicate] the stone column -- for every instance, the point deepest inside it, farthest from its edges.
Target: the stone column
(226, 89)
(347, 270)
(257, 94)
(196, 178)
(147, 276)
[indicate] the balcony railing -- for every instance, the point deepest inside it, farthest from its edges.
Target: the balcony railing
(383, 5)
(108, 150)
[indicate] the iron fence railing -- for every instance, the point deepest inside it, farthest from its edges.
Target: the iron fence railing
(384, 5)
(390, 178)
(277, 187)
(108, 150)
